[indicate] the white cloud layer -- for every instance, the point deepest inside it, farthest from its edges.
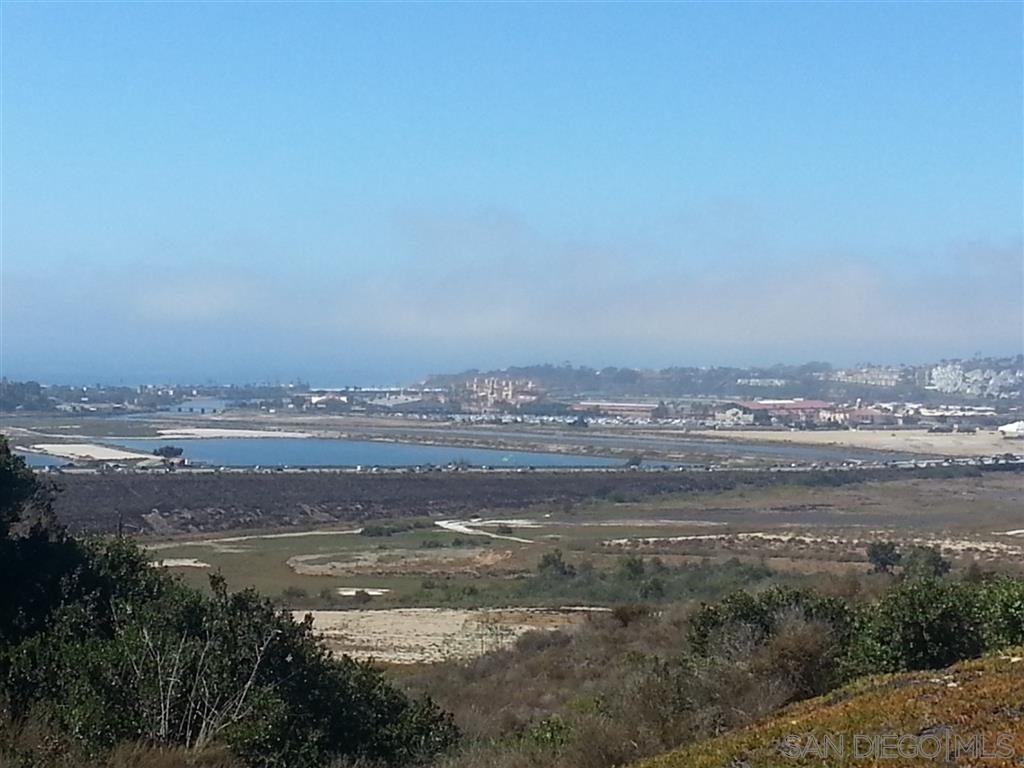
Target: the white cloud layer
(487, 289)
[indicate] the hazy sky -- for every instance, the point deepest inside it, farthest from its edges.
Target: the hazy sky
(366, 193)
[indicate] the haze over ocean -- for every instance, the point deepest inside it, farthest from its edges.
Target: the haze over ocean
(367, 193)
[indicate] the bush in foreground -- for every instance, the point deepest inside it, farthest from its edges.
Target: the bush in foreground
(636, 682)
(103, 651)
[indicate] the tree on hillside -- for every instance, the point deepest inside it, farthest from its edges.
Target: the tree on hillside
(883, 555)
(924, 563)
(17, 486)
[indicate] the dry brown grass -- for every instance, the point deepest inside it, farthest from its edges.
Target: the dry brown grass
(32, 743)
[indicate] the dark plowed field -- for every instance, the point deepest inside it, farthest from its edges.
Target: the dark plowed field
(192, 502)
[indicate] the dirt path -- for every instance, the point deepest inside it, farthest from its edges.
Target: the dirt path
(217, 542)
(471, 529)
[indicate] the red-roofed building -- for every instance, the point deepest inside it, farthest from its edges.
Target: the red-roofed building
(796, 411)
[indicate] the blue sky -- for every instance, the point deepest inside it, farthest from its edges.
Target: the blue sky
(369, 192)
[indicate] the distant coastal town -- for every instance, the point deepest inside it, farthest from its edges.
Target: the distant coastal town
(958, 394)
(542, 416)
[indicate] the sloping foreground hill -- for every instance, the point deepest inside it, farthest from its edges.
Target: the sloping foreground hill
(971, 714)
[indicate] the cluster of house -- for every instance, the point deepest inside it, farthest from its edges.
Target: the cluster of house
(490, 391)
(878, 376)
(799, 412)
(774, 412)
(954, 378)
(970, 379)
(359, 399)
(748, 413)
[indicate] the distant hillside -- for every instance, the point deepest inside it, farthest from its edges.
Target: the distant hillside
(981, 700)
(949, 381)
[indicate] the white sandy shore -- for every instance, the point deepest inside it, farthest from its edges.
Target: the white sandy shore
(180, 562)
(201, 432)
(89, 451)
(983, 443)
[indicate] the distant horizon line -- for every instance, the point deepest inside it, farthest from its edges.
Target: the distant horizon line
(125, 381)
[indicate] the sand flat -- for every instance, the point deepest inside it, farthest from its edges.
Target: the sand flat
(207, 432)
(946, 545)
(416, 635)
(918, 441)
(89, 451)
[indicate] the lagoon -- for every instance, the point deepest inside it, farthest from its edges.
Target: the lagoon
(42, 460)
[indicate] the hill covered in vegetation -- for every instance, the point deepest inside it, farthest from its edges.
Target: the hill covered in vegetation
(971, 711)
(101, 653)
(639, 682)
(106, 662)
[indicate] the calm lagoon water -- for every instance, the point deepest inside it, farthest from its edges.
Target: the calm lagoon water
(39, 460)
(315, 452)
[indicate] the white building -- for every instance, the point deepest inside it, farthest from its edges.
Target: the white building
(1015, 430)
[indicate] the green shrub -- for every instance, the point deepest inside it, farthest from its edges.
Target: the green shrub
(552, 565)
(628, 614)
(920, 624)
(883, 556)
(760, 615)
(105, 650)
(631, 568)
(652, 589)
(294, 593)
(1002, 607)
(924, 563)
